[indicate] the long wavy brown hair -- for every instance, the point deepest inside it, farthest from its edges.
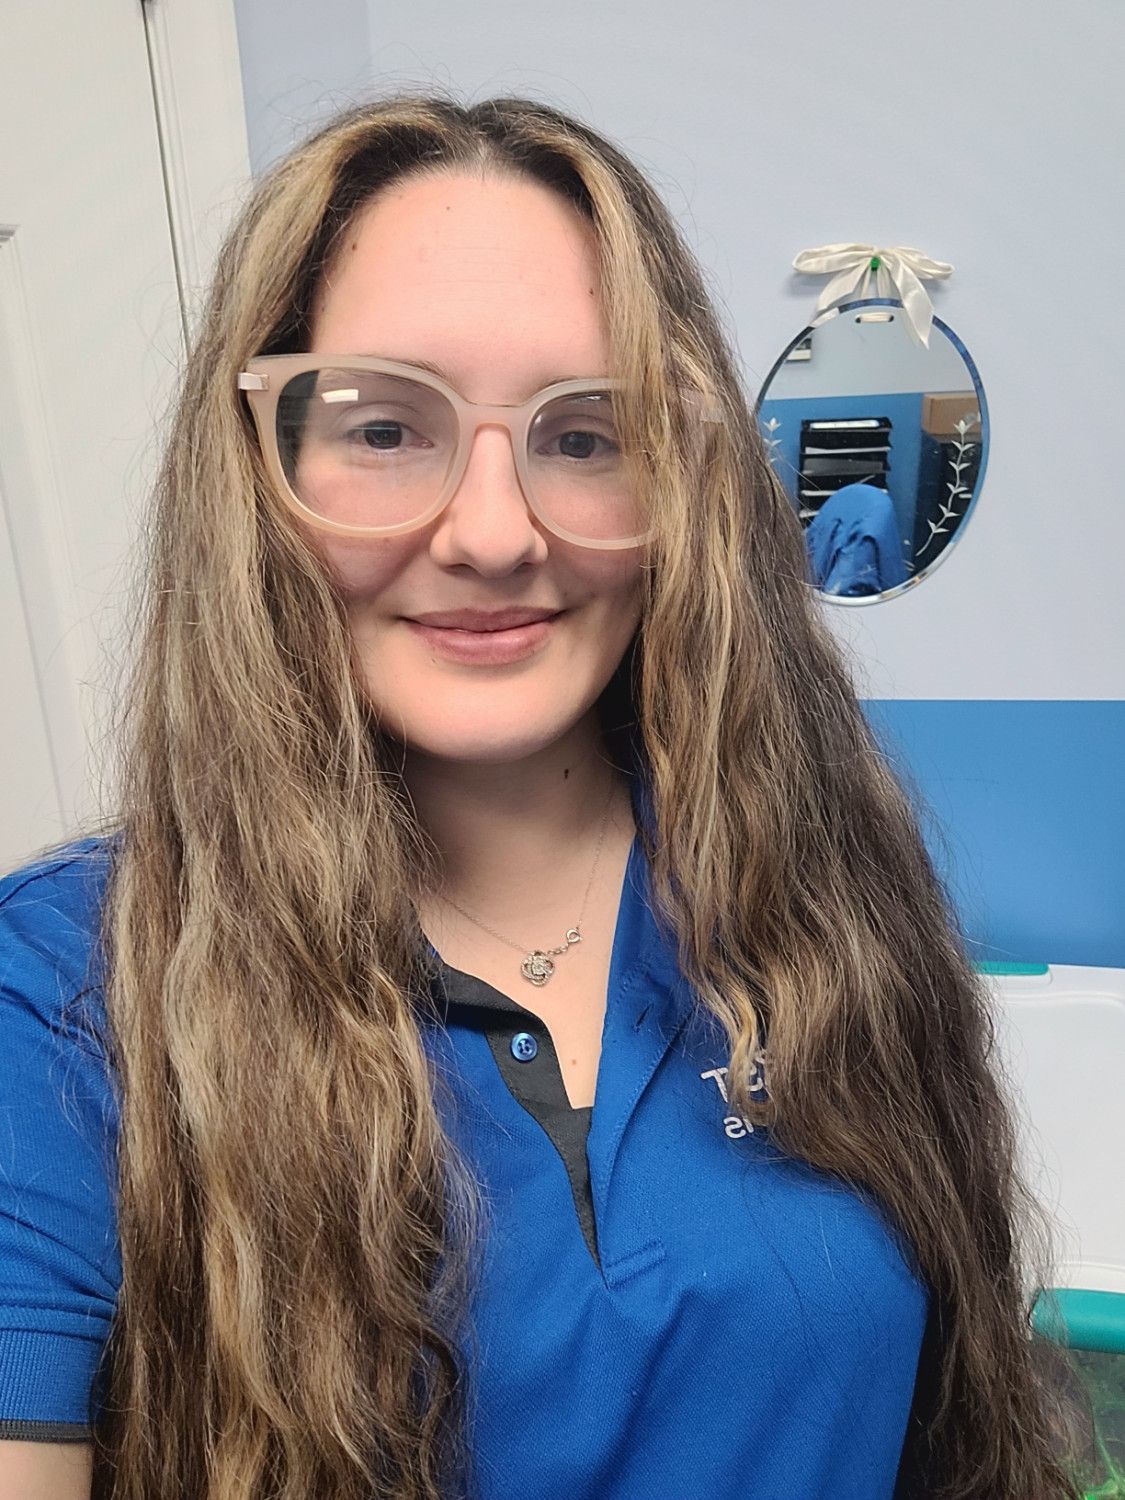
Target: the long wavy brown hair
(299, 1236)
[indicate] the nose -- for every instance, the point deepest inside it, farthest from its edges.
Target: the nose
(488, 514)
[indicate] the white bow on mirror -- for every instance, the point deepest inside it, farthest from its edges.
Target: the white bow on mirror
(898, 272)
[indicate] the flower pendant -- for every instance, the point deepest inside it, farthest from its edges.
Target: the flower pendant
(537, 967)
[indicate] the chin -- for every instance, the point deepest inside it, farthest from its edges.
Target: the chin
(475, 732)
(483, 747)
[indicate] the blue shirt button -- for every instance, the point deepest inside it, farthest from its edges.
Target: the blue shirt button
(524, 1046)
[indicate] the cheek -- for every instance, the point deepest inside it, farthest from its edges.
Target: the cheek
(618, 588)
(359, 569)
(626, 611)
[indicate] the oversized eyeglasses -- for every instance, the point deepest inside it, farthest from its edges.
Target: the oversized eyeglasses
(362, 446)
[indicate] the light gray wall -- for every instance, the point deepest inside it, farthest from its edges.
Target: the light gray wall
(300, 62)
(977, 133)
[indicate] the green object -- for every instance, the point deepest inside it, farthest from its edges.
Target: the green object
(1000, 968)
(1081, 1319)
(875, 262)
(1091, 1327)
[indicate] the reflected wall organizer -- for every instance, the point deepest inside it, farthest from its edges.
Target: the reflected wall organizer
(875, 420)
(848, 450)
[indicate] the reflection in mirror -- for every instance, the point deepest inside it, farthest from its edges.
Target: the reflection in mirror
(880, 443)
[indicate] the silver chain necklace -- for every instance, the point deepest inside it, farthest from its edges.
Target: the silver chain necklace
(538, 966)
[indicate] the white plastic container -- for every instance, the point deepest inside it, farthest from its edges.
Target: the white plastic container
(1061, 1048)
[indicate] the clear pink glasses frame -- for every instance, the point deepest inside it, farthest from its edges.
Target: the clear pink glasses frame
(267, 375)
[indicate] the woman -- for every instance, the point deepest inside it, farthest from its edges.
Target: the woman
(544, 1060)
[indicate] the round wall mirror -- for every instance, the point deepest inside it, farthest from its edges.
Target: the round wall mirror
(881, 444)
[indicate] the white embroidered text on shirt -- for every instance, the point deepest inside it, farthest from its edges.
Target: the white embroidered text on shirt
(737, 1126)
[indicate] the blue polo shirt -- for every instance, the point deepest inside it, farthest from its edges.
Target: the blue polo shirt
(666, 1305)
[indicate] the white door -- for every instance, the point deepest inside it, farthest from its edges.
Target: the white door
(95, 185)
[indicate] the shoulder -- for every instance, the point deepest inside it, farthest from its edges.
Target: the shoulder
(59, 1258)
(50, 924)
(67, 879)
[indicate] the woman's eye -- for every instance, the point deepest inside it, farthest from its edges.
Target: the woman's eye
(579, 443)
(378, 435)
(382, 435)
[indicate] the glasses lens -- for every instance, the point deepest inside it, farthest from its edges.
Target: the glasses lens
(363, 448)
(581, 475)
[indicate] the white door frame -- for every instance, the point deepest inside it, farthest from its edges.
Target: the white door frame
(197, 88)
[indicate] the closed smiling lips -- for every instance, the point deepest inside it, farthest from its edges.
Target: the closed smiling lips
(482, 620)
(485, 637)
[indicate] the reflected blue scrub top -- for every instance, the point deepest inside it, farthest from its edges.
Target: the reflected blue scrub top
(667, 1306)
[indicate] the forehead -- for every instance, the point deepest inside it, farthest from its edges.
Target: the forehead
(489, 277)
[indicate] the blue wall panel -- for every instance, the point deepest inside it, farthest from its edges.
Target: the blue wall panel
(1023, 812)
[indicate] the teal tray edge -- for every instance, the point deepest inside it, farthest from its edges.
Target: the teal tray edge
(1081, 1319)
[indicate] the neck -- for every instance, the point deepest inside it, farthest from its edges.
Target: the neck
(519, 838)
